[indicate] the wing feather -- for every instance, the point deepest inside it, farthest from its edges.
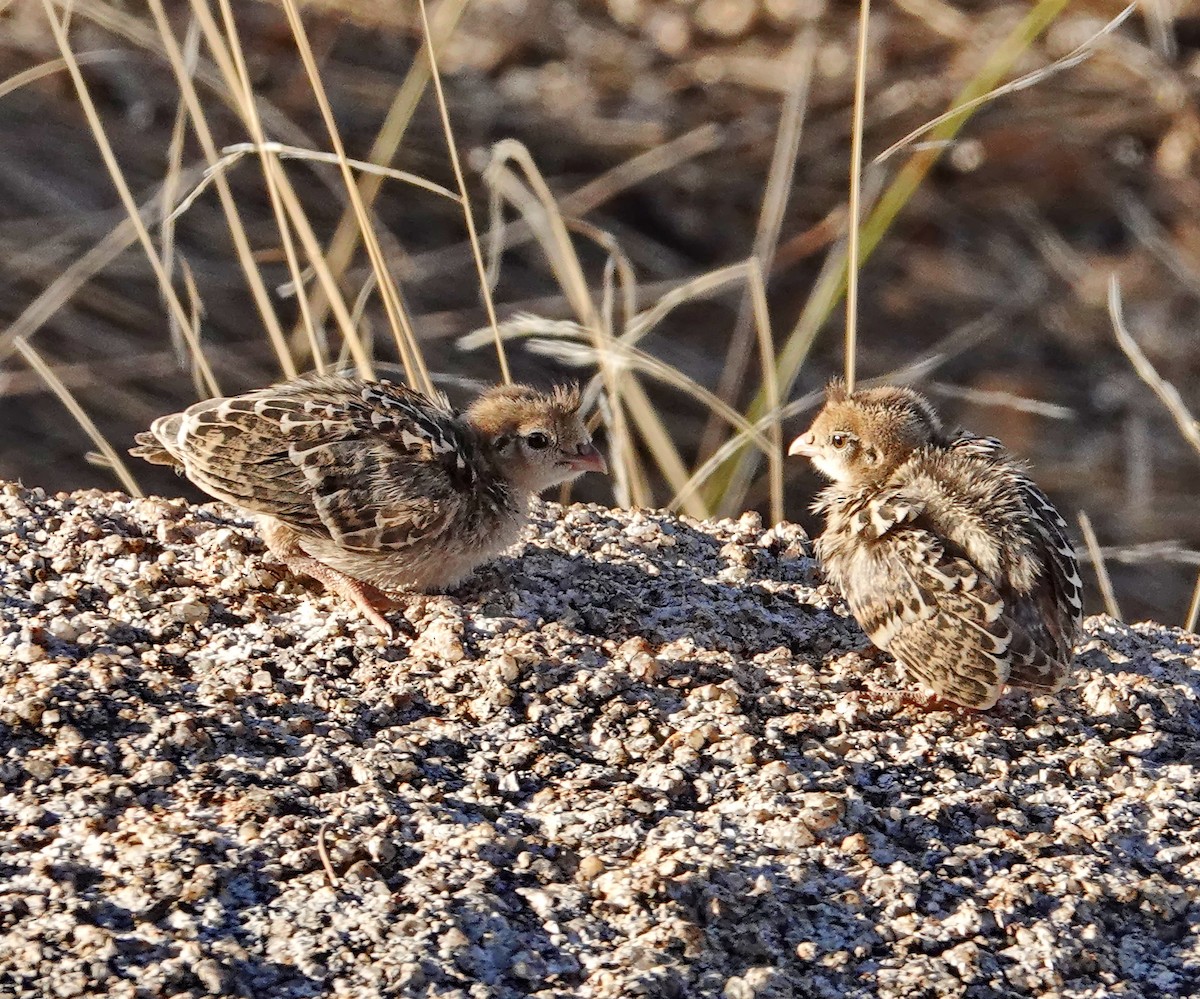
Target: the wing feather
(940, 618)
(373, 464)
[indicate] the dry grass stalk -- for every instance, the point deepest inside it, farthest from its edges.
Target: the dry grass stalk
(1193, 613)
(1111, 607)
(1188, 425)
(406, 341)
(855, 209)
(780, 180)
(183, 68)
(832, 281)
(387, 142)
(1074, 58)
(485, 288)
(124, 193)
(111, 458)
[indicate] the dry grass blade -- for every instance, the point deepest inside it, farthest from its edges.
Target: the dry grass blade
(1072, 59)
(231, 59)
(780, 179)
(1193, 614)
(111, 457)
(171, 187)
(855, 208)
(1102, 578)
(576, 351)
(69, 280)
(1150, 552)
(532, 197)
(52, 66)
(586, 198)
(485, 288)
(123, 191)
(733, 499)
(1166, 392)
(701, 286)
(184, 69)
(1004, 400)
(402, 331)
(387, 142)
(232, 154)
(831, 283)
(289, 214)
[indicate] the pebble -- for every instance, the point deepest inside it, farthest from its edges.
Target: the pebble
(630, 758)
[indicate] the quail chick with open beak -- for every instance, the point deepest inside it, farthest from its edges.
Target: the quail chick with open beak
(948, 555)
(368, 486)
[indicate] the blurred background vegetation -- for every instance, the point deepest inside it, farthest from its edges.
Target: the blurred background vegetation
(677, 150)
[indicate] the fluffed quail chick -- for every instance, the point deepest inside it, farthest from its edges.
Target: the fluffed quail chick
(369, 486)
(948, 555)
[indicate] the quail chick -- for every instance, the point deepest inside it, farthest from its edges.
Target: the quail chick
(948, 555)
(370, 486)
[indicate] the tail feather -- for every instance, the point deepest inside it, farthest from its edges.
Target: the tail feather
(151, 447)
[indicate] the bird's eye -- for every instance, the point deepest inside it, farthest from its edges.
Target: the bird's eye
(538, 440)
(839, 441)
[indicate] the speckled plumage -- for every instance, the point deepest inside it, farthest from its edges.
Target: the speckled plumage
(370, 485)
(949, 556)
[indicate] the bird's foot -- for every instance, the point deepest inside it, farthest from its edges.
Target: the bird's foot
(370, 600)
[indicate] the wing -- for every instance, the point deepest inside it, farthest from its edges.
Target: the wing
(374, 465)
(1062, 567)
(1053, 612)
(936, 614)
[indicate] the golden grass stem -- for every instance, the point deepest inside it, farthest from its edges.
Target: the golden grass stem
(831, 283)
(766, 354)
(232, 154)
(1168, 395)
(1112, 608)
(52, 66)
(485, 287)
(46, 373)
(406, 341)
(171, 186)
(69, 280)
(534, 199)
(180, 66)
(240, 85)
(285, 205)
(387, 142)
(856, 144)
(1193, 614)
(1075, 57)
(123, 191)
(780, 180)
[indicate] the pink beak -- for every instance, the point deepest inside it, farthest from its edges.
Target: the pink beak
(804, 446)
(588, 459)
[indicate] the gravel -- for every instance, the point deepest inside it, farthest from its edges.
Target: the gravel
(640, 756)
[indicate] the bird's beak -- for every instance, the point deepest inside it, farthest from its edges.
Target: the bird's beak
(588, 459)
(804, 446)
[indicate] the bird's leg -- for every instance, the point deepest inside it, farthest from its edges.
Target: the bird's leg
(367, 598)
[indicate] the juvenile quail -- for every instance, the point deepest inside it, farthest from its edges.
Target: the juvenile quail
(948, 555)
(369, 486)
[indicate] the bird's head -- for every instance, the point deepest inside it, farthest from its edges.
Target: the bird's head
(537, 439)
(859, 438)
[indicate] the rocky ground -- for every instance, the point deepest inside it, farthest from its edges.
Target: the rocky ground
(632, 759)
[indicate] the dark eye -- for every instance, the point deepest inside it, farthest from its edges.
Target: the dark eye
(538, 440)
(839, 441)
